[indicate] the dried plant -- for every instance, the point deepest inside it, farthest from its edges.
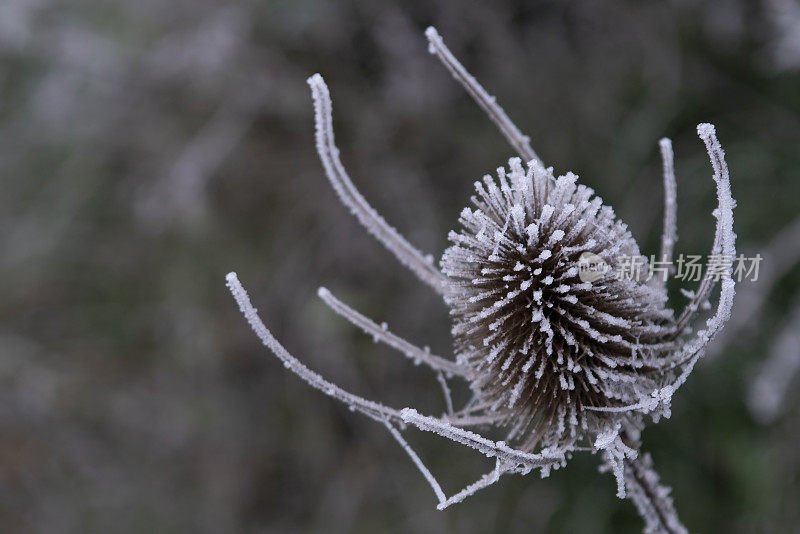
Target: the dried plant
(561, 364)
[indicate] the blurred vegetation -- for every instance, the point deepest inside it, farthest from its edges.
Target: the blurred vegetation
(150, 147)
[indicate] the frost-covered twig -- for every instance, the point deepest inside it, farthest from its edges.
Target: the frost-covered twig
(437, 489)
(369, 408)
(652, 499)
(558, 357)
(382, 334)
(484, 482)
(724, 237)
(409, 256)
(378, 412)
(670, 235)
(518, 140)
(448, 397)
(637, 480)
(475, 441)
(725, 244)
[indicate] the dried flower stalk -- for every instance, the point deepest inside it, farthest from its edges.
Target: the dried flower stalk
(561, 363)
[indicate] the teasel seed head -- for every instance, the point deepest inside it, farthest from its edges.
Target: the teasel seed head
(546, 339)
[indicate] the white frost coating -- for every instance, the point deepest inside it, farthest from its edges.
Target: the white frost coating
(448, 397)
(382, 334)
(529, 209)
(484, 482)
(708, 134)
(725, 244)
(615, 453)
(488, 103)
(652, 499)
(350, 197)
(386, 415)
(488, 447)
(670, 236)
(371, 409)
(556, 236)
(658, 402)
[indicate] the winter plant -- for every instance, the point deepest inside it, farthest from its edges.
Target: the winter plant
(560, 362)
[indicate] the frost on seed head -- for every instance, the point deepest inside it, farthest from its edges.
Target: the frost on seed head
(543, 345)
(555, 350)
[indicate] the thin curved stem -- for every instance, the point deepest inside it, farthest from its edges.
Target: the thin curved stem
(482, 483)
(670, 232)
(475, 441)
(382, 334)
(409, 256)
(724, 244)
(724, 238)
(518, 140)
(651, 497)
(371, 409)
(508, 459)
(448, 397)
(437, 489)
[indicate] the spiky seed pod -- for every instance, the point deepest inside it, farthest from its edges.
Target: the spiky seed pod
(542, 343)
(550, 352)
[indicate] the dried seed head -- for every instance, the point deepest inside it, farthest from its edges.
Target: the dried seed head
(544, 339)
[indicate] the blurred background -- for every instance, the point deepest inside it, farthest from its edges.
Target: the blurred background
(147, 148)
